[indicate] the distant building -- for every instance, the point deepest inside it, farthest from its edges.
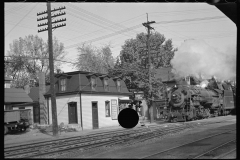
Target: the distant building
(16, 98)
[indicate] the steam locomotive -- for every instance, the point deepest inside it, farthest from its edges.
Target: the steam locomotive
(190, 102)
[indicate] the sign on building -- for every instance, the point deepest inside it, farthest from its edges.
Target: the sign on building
(114, 109)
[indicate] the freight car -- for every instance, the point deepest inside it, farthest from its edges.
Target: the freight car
(188, 102)
(16, 120)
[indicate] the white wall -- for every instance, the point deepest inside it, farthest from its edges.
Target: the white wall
(103, 121)
(62, 108)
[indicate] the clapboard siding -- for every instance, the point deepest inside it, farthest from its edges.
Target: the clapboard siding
(103, 121)
(62, 108)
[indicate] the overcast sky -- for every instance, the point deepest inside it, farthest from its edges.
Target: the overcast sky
(107, 23)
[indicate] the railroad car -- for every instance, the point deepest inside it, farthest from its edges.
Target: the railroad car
(189, 102)
(16, 120)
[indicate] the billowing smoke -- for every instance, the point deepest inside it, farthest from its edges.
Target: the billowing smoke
(196, 57)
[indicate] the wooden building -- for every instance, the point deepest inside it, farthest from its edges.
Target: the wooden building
(16, 98)
(87, 100)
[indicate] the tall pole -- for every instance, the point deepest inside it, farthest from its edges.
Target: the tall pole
(147, 25)
(52, 86)
(51, 63)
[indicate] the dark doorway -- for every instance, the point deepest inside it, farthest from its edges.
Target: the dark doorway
(95, 115)
(36, 114)
(72, 112)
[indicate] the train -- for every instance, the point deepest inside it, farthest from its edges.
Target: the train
(191, 102)
(17, 120)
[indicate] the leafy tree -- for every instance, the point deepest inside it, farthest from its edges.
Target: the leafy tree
(93, 59)
(28, 56)
(133, 65)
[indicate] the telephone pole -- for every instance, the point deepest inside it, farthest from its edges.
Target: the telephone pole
(51, 63)
(147, 25)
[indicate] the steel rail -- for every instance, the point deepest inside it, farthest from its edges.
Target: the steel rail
(186, 144)
(155, 133)
(225, 154)
(61, 143)
(124, 140)
(65, 143)
(101, 142)
(50, 142)
(215, 148)
(74, 146)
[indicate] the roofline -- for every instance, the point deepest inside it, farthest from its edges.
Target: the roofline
(25, 104)
(77, 72)
(89, 92)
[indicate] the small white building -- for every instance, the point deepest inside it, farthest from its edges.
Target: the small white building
(87, 100)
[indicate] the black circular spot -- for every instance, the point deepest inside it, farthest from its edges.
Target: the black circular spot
(128, 118)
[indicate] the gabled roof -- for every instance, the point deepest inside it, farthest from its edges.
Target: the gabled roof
(14, 95)
(8, 79)
(34, 93)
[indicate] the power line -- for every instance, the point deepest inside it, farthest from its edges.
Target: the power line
(137, 26)
(21, 20)
(100, 18)
(26, 57)
(183, 11)
(102, 29)
(19, 7)
(190, 20)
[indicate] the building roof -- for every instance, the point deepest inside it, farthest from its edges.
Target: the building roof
(165, 74)
(79, 82)
(8, 79)
(15, 95)
(34, 93)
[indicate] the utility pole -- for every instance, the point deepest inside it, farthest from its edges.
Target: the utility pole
(147, 25)
(51, 63)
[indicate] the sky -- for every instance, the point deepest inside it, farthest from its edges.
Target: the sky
(114, 23)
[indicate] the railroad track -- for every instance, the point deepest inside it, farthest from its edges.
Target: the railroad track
(214, 153)
(175, 150)
(56, 147)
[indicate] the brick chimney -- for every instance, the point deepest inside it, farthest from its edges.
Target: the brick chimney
(42, 102)
(27, 89)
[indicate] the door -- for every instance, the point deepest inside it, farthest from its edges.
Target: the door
(72, 112)
(95, 115)
(36, 114)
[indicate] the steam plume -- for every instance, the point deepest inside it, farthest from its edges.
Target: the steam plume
(196, 57)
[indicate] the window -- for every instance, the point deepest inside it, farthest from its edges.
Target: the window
(106, 84)
(63, 85)
(93, 83)
(119, 85)
(7, 85)
(107, 108)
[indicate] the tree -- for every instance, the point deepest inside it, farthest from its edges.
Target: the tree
(29, 56)
(93, 59)
(132, 64)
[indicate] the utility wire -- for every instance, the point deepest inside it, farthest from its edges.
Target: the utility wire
(137, 26)
(21, 20)
(100, 18)
(26, 57)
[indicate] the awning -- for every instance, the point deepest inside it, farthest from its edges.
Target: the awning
(124, 99)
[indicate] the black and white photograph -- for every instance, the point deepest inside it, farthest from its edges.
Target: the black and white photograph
(120, 80)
